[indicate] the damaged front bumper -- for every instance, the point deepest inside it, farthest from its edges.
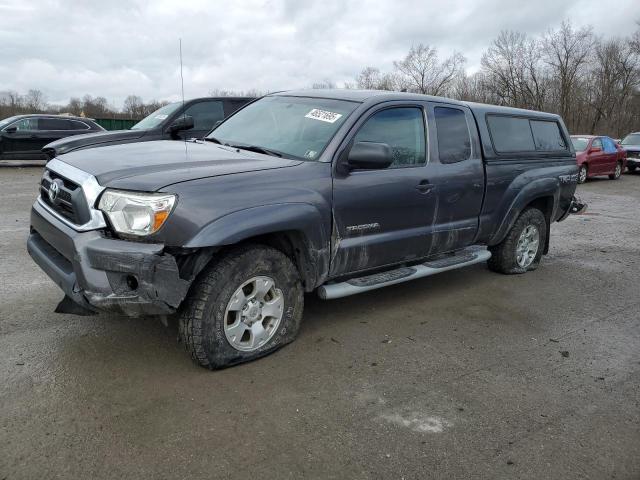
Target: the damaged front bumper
(103, 274)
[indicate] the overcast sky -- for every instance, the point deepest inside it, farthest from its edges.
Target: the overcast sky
(115, 48)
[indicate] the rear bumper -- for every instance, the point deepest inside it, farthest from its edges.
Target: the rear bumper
(102, 274)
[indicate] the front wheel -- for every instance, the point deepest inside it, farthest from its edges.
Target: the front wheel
(631, 168)
(582, 173)
(521, 250)
(243, 307)
(617, 172)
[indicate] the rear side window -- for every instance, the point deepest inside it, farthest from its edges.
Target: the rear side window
(511, 134)
(53, 124)
(517, 134)
(78, 125)
(547, 136)
(402, 129)
(597, 143)
(454, 143)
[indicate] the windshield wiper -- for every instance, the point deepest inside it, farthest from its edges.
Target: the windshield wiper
(258, 149)
(212, 139)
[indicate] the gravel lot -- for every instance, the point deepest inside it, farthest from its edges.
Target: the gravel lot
(468, 374)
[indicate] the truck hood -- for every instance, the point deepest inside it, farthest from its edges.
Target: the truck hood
(631, 148)
(68, 144)
(149, 166)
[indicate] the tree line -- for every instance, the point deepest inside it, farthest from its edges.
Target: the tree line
(34, 101)
(593, 82)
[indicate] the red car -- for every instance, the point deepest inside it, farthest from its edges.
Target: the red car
(598, 155)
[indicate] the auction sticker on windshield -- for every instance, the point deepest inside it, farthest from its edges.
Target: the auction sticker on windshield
(323, 115)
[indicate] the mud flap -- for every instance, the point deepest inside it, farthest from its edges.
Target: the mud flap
(67, 305)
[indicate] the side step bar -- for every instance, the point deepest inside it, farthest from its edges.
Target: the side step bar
(463, 258)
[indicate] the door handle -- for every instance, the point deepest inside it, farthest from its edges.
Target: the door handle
(424, 186)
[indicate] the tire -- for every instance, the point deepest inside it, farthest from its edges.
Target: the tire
(505, 255)
(618, 171)
(212, 312)
(583, 173)
(631, 168)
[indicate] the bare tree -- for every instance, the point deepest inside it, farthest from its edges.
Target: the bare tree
(567, 52)
(134, 107)
(514, 71)
(425, 73)
(35, 101)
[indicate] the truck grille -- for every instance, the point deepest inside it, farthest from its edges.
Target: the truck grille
(69, 201)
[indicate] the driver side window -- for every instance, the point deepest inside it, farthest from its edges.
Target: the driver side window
(205, 114)
(402, 129)
(26, 124)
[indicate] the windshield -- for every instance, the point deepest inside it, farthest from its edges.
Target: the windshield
(157, 117)
(580, 144)
(633, 139)
(7, 121)
(294, 127)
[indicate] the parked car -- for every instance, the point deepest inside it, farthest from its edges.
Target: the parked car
(598, 155)
(23, 136)
(334, 191)
(631, 144)
(175, 121)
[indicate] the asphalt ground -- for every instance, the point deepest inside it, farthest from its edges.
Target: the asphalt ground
(467, 374)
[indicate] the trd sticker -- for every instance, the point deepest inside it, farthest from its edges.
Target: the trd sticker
(323, 115)
(564, 179)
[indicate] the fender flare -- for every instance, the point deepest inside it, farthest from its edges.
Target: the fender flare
(302, 218)
(540, 188)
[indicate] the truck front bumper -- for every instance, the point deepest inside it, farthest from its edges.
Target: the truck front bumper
(633, 162)
(103, 274)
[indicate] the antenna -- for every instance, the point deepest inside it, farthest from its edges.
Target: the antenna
(181, 77)
(184, 114)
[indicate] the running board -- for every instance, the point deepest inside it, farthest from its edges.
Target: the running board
(463, 258)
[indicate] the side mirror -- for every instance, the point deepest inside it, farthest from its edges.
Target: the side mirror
(369, 156)
(11, 129)
(184, 122)
(595, 149)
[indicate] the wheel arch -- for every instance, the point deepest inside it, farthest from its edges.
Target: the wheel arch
(542, 194)
(295, 229)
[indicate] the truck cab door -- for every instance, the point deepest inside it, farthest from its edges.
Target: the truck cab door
(457, 172)
(382, 216)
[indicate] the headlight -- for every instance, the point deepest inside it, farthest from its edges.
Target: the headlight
(134, 213)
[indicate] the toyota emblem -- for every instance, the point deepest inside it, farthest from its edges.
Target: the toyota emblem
(54, 190)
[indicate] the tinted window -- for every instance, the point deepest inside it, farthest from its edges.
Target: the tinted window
(77, 125)
(205, 114)
(511, 134)
(454, 143)
(53, 124)
(402, 129)
(609, 145)
(547, 136)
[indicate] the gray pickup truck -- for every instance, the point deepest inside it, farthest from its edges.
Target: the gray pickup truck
(334, 191)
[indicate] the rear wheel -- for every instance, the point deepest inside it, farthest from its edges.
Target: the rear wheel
(582, 173)
(521, 250)
(243, 307)
(617, 172)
